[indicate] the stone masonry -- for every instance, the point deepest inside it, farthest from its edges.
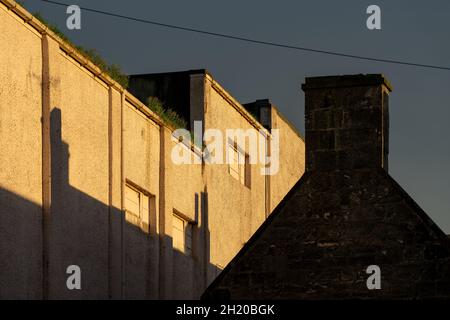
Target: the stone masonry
(345, 214)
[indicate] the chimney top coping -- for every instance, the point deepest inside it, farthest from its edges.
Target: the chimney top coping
(356, 80)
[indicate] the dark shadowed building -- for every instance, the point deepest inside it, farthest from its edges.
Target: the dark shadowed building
(345, 214)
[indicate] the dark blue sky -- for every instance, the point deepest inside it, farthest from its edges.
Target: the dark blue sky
(416, 31)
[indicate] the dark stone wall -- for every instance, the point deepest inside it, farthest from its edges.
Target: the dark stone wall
(323, 236)
(346, 122)
(345, 214)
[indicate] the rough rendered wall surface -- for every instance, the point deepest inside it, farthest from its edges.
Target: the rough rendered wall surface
(70, 138)
(292, 159)
(186, 182)
(236, 211)
(141, 169)
(79, 214)
(20, 159)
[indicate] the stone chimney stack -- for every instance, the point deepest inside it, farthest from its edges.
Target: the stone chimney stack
(346, 122)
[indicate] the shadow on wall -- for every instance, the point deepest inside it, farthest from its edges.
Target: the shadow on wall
(20, 247)
(192, 267)
(117, 259)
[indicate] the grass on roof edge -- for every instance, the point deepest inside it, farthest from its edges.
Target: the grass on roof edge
(166, 114)
(113, 70)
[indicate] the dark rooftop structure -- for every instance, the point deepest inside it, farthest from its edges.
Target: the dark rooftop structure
(345, 214)
(171, 88)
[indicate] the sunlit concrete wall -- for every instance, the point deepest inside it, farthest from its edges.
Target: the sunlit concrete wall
(20, 158)
(292, 159)
(77, 222)
(70, 140)
(186, 185)
(141, 168)
(236, 210)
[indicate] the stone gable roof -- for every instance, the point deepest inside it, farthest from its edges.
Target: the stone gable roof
(345, 214)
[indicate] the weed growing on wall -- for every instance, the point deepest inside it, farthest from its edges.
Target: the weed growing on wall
(168, 115)
(113, 70)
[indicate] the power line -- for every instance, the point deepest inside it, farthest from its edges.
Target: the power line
(249, 40)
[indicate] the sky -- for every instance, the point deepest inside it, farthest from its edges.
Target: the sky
(411, 31)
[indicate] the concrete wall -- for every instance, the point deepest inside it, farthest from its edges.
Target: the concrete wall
(187, 185)
(71, 139)
(78, 216)
(238, 210)
(141, 168)
(20, 158)
(292, 160)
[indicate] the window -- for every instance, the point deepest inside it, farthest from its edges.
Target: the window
(137, 205)
(182, 234)
(238, 164)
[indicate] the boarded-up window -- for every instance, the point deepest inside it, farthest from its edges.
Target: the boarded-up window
(137, 207)
(132, 201)
(238, 164)
(181, 234)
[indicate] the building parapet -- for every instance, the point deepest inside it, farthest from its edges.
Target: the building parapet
(237, 106)
(72, 52)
